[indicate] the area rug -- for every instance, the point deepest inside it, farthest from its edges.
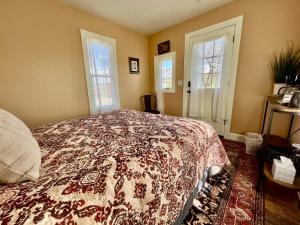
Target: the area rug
(230, 197)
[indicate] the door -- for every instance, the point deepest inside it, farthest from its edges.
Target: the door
(164, 75)
(209, 76)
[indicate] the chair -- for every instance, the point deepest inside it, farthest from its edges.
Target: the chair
(149, 104)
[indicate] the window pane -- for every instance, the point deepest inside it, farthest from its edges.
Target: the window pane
(105, 90)
(166, 74)
(200, 66)
(99, 60)
(100, 71)
(95, 91)
(169, 64)
(218, 64)
(219, 46)
(210, 64)
(169, 79)
(200, 50)
(209, 48)
(207, 66)
(164, 79)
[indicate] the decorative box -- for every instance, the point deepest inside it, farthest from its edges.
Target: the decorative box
(283, 170)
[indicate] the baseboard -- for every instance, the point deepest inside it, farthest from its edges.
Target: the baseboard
(236, 137)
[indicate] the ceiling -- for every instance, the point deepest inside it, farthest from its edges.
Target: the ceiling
(146, 16)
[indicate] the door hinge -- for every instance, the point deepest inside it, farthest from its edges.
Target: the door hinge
(233, 39)
(225, 122)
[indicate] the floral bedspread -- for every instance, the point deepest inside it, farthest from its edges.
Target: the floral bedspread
(124, 167)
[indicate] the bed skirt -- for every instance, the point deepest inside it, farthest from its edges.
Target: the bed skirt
(189, 202)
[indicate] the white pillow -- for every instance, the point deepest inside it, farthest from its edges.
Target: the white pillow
(20, 155)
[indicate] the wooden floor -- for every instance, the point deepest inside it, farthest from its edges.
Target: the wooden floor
(281, 205)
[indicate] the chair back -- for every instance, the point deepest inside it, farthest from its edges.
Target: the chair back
(148, 103)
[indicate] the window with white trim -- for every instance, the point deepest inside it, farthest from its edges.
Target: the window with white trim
(208, 58)
(101, 72)
(164, 66)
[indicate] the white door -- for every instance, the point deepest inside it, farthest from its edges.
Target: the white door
(209, 77)
(164, 75)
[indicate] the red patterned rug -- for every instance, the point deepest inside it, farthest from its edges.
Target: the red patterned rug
(230, 197)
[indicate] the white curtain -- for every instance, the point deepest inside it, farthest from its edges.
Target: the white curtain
(207, 99)
(158, 88)
(103, 77)
(159, 80)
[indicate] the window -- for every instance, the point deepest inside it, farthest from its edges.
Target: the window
(209, 57)
(165, 72)
(101, 72)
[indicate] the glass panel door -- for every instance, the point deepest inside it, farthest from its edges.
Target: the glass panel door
(209, 62)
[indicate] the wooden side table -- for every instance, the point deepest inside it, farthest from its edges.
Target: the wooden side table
(271, 148)
(268, 175)
(271, 140)
(275, 106)
(295, 186)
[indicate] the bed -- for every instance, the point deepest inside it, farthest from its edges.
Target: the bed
(123, 167)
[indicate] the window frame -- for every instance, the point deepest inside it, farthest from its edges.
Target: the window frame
(92, 101)
(213, 57)
(157, 60)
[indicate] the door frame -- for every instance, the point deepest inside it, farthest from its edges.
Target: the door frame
(160, 93)
(238, 23)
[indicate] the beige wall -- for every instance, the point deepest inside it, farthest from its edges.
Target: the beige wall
(268, 25)
(42, 76)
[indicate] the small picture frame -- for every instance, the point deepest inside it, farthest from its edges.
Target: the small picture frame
(163, 47)
(134, 65)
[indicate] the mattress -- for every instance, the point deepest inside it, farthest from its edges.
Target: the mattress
(123, 167)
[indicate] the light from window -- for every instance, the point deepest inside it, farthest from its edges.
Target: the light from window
(101, 72)
(210, 55)
(165, 72)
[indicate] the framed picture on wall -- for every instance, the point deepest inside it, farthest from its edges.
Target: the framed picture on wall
(163, 47)
(134, 65)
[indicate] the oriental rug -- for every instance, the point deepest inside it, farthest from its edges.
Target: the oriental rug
(230, 197)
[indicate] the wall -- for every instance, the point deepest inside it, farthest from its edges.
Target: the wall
(268, 25)
(42, 77)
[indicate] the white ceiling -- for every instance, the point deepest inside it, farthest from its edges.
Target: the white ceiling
(146, 16)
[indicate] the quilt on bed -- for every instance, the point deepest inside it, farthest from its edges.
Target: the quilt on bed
(124, 167)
